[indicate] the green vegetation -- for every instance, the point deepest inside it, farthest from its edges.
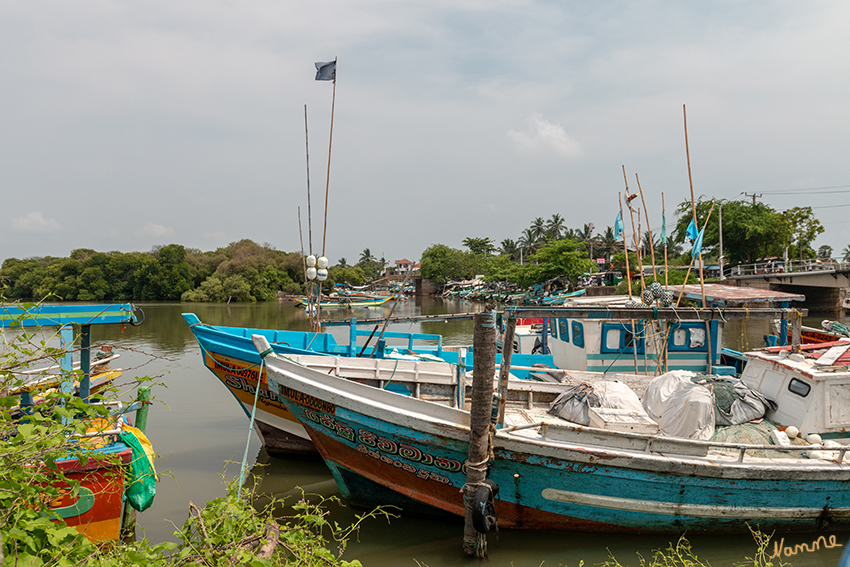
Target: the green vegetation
(241, 271)
(227, 531)
(752, 231)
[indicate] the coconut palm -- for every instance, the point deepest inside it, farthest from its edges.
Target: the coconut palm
(608, 245)
(509, 248)
(555, 227)
(846, 254)
(527, 241)
(366, 256)
(538, 229)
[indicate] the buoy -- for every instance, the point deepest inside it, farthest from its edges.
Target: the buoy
(813, 439)
(792, 432)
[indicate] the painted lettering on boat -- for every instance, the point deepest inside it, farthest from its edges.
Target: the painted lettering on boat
(236, 377)
(780, 549)
(386, 450)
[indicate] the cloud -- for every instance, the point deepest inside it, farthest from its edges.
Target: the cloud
(155, 230)
(542, 135)
(35, 222)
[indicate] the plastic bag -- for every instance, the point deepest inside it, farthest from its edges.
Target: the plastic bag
(141, 478)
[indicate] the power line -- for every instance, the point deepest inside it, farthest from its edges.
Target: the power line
(809, 190)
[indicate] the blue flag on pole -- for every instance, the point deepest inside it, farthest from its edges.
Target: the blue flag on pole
(698, 244)
(692, 231)
(663, 229)
(326, 71)
(618, 226)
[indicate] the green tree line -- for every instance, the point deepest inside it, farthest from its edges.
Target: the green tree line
(241, 271)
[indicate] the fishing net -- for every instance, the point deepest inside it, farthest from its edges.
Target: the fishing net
(756, 434)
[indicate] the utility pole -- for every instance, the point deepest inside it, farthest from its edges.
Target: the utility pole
(753, 195)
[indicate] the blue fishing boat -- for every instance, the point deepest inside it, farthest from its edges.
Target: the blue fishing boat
(383, 448)
(231, 357)
(347, 302)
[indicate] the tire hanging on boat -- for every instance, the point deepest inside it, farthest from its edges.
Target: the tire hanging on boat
(484, 517)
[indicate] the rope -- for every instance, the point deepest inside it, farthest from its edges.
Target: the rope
(391, 375)
(250, 430)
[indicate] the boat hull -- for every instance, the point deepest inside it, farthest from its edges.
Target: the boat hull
(373, 440)
(96, 511)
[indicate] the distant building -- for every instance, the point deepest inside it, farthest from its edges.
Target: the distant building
(403, 266)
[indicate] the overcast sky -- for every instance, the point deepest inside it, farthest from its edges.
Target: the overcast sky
(126, 125)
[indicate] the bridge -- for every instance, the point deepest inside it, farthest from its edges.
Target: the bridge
(824, 283)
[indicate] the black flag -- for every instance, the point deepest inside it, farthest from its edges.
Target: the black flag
(326, 71)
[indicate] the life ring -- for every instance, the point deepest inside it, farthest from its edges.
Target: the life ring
(484, 516)
(137, 322)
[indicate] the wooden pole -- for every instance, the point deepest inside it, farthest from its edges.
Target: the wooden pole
(330, 146)
(483, 370)
(648, 227)
(505, 369)
(625, 249)
(694, 208)
(632, 218)
(666, 276)
(309, 210)
(143, 396)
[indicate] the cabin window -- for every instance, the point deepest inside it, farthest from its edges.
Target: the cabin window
(620, 339)
(688, 337)
(799, 387)
(562, 330)
(578, 334)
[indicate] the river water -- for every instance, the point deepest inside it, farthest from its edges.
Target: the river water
(200, 435)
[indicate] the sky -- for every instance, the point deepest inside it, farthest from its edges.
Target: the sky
(128, 125)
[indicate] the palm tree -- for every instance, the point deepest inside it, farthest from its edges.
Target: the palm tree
(846, 254)
(555, 227)
(366, 256)
(608, 244)
(509, 248)
(479, 246)
(585, 234)
(538, 229)
(527, 242)
(648, 246)
(343, 263)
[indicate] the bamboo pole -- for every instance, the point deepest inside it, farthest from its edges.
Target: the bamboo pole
(625, 249)
(648, 227)
(694, 208)
(628, 275)
(505, 369)
(632, 219)
(666, 276)
(330, 146)
(309, 210)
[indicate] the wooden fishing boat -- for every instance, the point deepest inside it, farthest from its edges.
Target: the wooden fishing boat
(645, 344)
(231, 357)
(346, 303)
(384, 448)
(94, 505)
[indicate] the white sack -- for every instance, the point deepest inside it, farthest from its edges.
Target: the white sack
(689, 413)
(573, 403)
(660, 390)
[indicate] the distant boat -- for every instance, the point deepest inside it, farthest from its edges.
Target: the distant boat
(346, 303)
(383, 448)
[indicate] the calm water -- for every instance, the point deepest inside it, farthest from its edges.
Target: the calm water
(200, 435)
